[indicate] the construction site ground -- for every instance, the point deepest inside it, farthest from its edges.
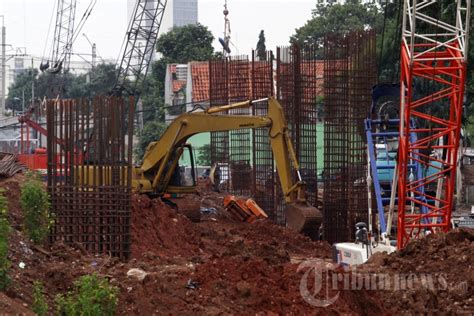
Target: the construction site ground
(219, 266)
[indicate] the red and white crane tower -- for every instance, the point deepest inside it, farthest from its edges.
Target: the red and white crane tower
(434, 54)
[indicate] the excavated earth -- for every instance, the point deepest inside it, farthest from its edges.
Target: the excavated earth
(434, 274)
(219, 266)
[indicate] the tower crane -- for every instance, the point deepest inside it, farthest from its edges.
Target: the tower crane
(65, 32)
(58, 60)
(138, 46)
(434, 52)
(62, 40)
(138, 49)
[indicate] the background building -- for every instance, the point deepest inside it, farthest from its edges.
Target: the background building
(177, 13)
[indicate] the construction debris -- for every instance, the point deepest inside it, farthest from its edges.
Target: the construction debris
(10, 165)
(244, 210)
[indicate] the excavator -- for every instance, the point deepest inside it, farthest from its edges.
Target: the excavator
(159, 173)
(160, 162)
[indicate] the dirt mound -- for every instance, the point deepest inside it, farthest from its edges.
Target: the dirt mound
(251, 285)
(158, 230)
(11, 190)
(218, 265)
(439, 270)
(212, 267)
(9, 306)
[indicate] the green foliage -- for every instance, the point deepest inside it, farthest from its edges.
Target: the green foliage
(261, 48)
(92, 295)
(337, 18)
(4, 231)
(152, 94)
(102, 79)
(204, 155)
(354, 16)
(98, 81)
(388, 46)
(152, 132)
(186, 43)
(34, 202)
(21, 84)
(40, 306)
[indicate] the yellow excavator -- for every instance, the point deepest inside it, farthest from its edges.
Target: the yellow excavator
(161, 158)
(159, 173)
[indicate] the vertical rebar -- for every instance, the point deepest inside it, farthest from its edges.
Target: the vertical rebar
(349, 74)
(262, 157)
(89, 172)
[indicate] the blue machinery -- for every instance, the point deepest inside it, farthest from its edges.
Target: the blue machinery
(382, 143)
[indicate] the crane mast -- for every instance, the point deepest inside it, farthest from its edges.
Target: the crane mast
(63, 37)
(63, 33)
(434, 53)
(139, 46)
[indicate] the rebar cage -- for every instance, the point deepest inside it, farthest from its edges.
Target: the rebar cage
(89, 172)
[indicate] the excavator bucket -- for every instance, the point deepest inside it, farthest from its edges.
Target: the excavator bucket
(303, 217)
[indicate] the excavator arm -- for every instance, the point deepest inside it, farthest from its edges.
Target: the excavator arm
(159, 154)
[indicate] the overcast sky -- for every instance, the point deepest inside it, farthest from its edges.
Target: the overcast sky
(27, 23)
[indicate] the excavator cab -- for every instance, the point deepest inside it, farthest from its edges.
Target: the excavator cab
(178, 177)
(179, 181)
(183, 178)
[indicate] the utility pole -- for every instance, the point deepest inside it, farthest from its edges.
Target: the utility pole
(94, 50)
(94, 55)
(23, 101)
(4, 61)
(32, 85)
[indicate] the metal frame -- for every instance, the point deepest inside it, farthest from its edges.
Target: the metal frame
(240, 142)
(349, 74)
(264, 178)
(140, 41)
(374, 136)
(63, 34)
(438, 57)
(95, 211)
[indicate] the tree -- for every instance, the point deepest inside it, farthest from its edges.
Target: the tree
(98, 81)
(204, 155)
(261, 48)
(152, 132)
(20, 90)
(102, 79)
(152, 94)
(182, 44)
(337, 18)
